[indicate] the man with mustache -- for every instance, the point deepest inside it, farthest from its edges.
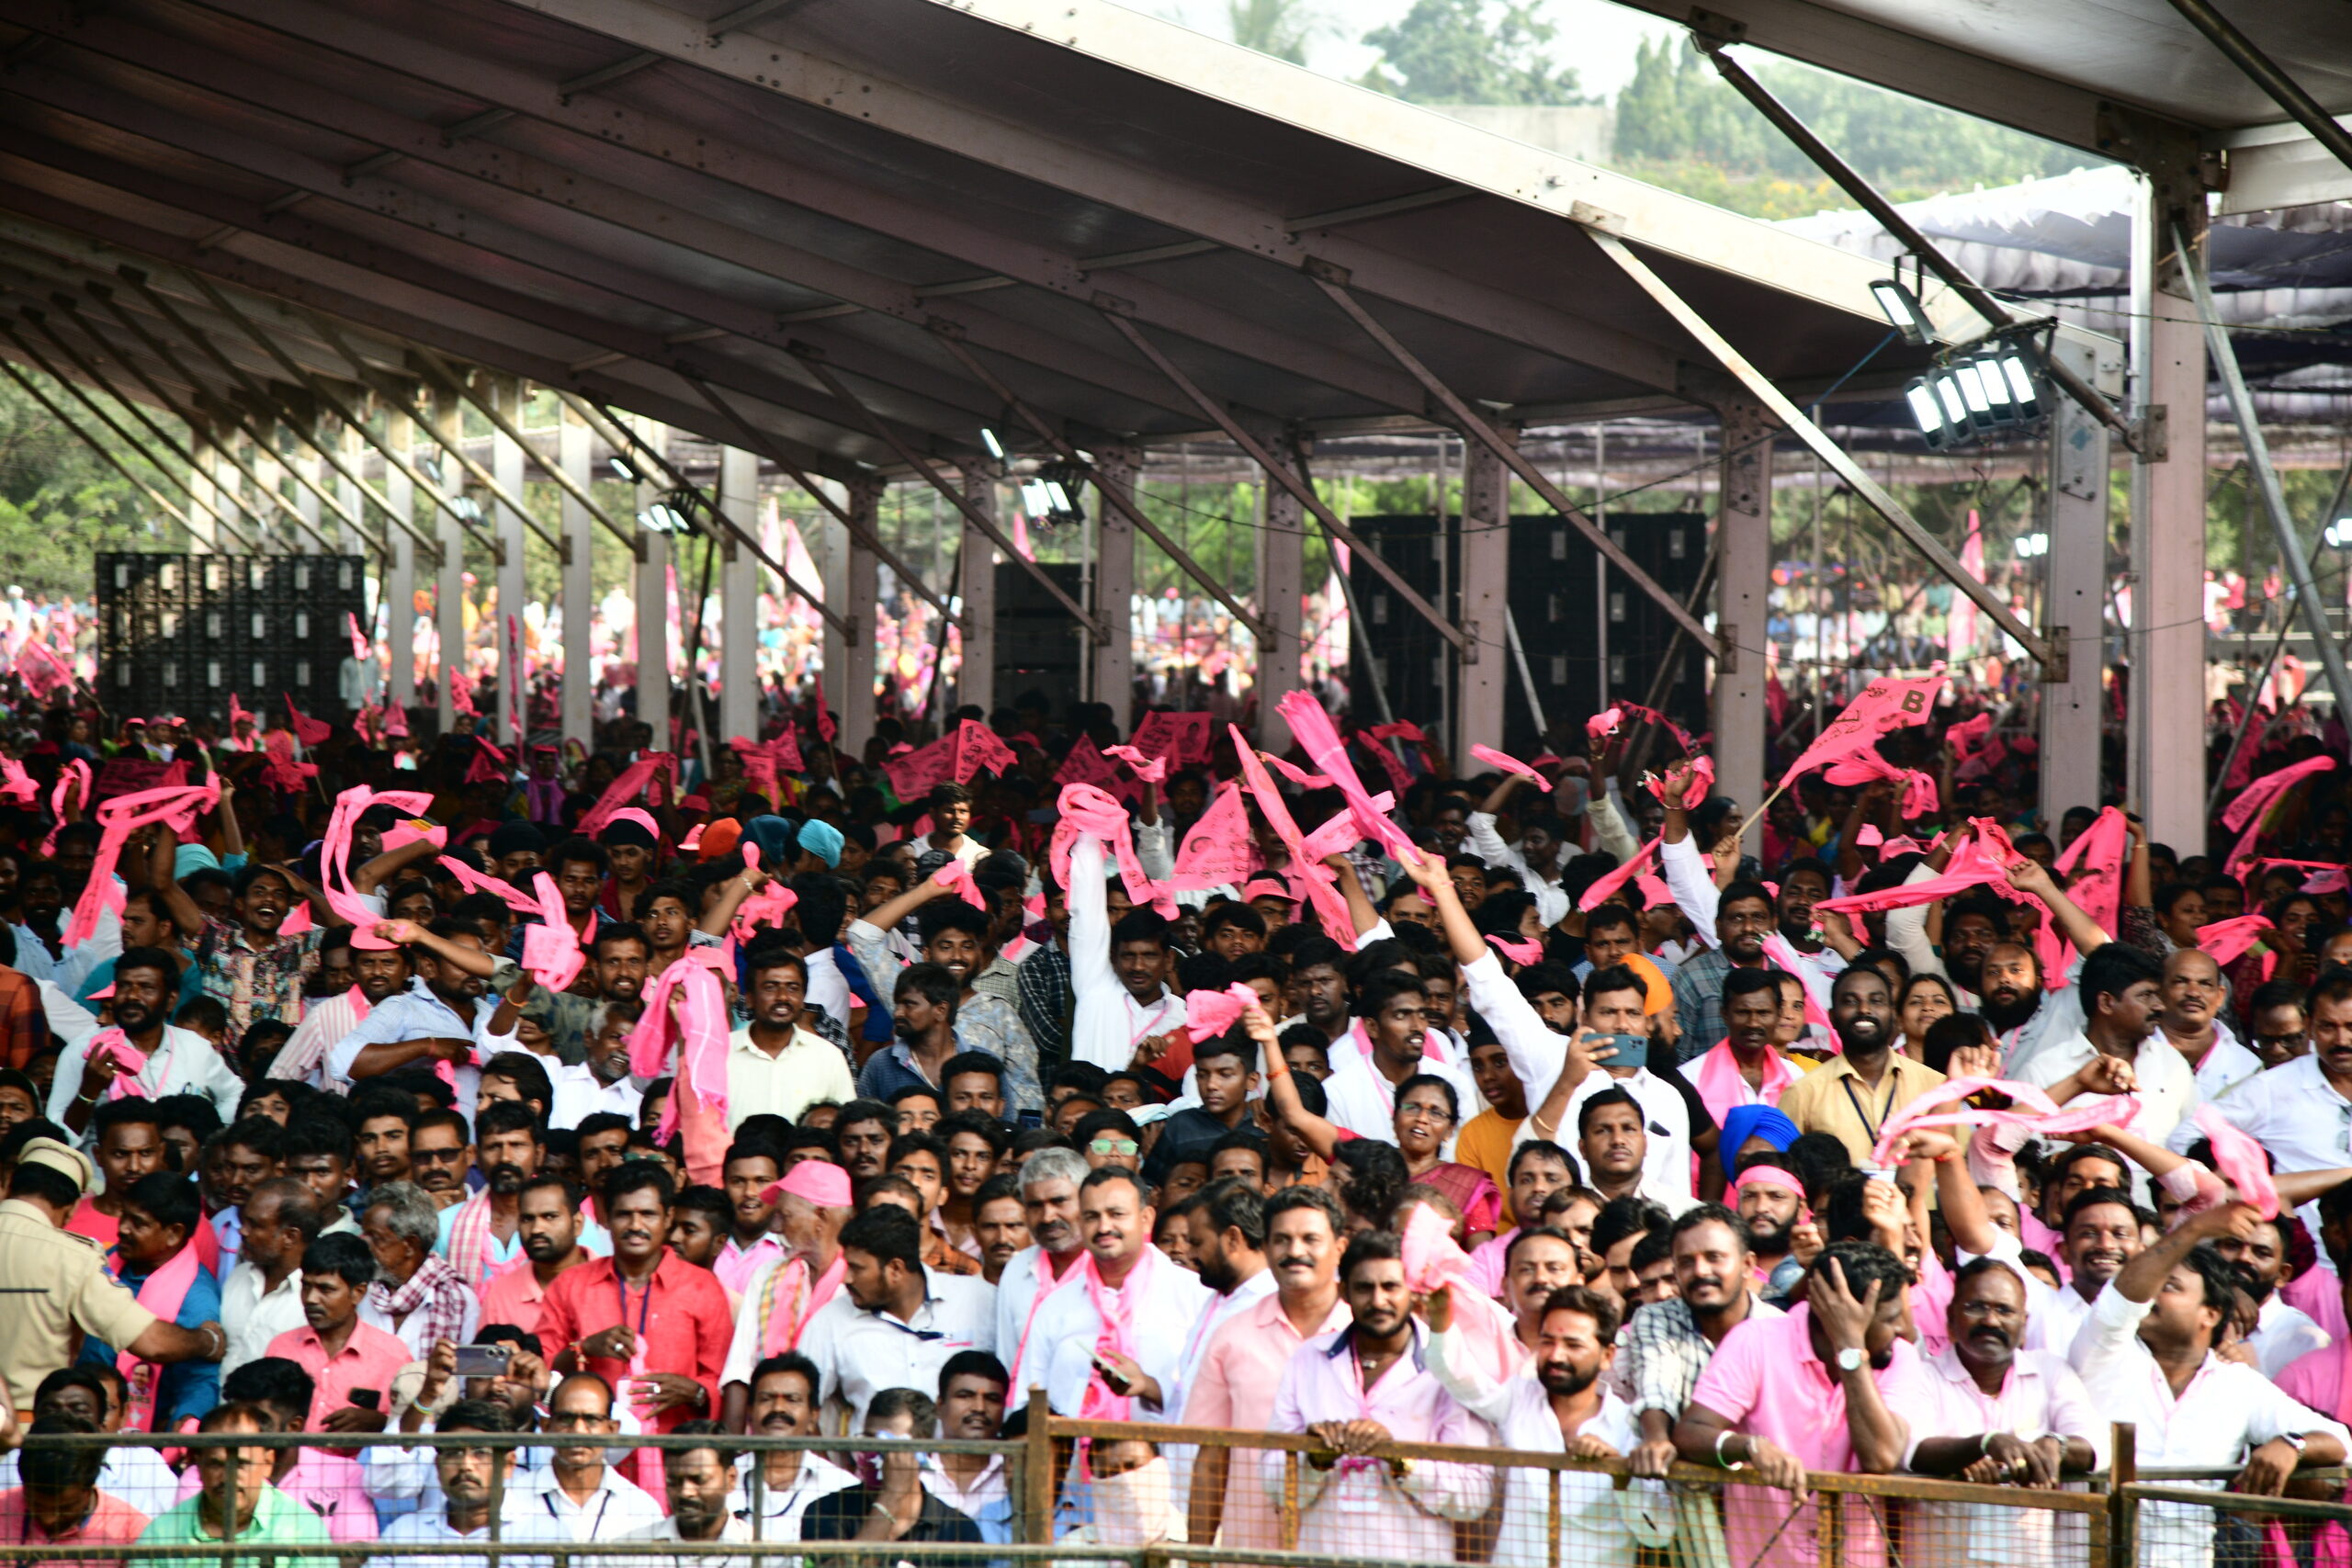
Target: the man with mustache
(812, 1204)
(644, 1307)
(1072, 1353)
(469, 1478)
(2194, 993)
(578, 1489)
(2117, 1050)
(546, 1226)
(1731, 923)
(1559, 1406)
(1991, 1412)
(170, 1060)
(2099, 1235)
(481, 1234)
(1771, 1201)
(1668, 1345)
(376, 976)
(1049, 1181)
(783, 1404)
(2281, 1333)
(1850, 1096)
(444, 1016)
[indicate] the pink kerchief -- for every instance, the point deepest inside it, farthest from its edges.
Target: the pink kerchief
(1703, 779)
(1150, 770)
(1428, 1252)
(957, 874)
(552, 949)
(1767, 1176)
(1517, 951)
(1508, 763)
(1605, 887)
(2238, 1159)
(2226, 942)
(1208, 1014)
(1606, 722)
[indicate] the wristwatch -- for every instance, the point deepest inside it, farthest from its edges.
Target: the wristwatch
(2295, 1440)
(1850, 1360)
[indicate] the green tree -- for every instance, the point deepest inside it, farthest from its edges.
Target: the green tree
(1470, 51)
(1279, 28)
(1680, 126)
(61, 502)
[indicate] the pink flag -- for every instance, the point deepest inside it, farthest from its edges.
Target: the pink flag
(1885, 706)
(1182, 738)
(1217, 852)
(308, 730)
(634, 781)
(1509, 764)
(1604, 889)
(1085, 765)
(1150, 770)
(1968, 735)
(1918, 799)
(2240, 1161)
(1315, 731)
(2097, 858)
(918, 772)
(2226, 942)
(551, 948)
(1208, 1014)
(2246, 810)
(1309, 880)
(978, 747)
(1518, 951)
(1297, 775)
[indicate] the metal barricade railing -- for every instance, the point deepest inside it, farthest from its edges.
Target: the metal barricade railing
(2185, 1519)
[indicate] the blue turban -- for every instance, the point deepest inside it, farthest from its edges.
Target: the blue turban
(1754, 1121)
(822, 839)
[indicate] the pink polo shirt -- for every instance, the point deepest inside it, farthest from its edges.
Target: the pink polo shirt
(1233, 1387)
(368, 1359)
(1766, 1382)
(513, 1295)
(112, 1522)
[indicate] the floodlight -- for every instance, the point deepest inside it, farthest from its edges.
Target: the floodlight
(989, 440)
(2023, 386)
(1902, 311)
(1947, 387)
(2338, 534)
(623, 469)
(2031, 546)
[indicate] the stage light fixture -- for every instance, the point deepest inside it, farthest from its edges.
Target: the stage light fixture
(1902, 310)
(989, 440)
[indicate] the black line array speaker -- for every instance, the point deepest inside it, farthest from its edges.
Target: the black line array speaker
(1037, 646)
(179, 633)
(1589, 636)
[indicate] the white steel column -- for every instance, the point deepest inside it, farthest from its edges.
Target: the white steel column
(976, 681)
(450, 582)
(2167, 685)
(306, 500)
(1743, 579)
(653, 607)
(1281, 578)
(740, 579)
(1485, 661)
(347, 491)
(1114, 584)
(507, 467)
(2075, 621)
(574, 448)
(399, 577)
(851, 698)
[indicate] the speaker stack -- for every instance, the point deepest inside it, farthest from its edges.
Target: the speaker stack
(178, 634)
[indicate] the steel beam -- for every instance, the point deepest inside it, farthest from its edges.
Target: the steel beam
(2074, 710)
(1485, 557)
(1475, 427)
(1743, 587)
(449, 585)
(1872, 494)
(852, 702)
(2273, 79)
(739, 589)
(1282, 580)
(1123, 501)
(1906, 233)
(953, 495)
(617, 436)
(976, 569)
(400, 574)
(1113, 653)
(574, 451)
(574, 489)
(1290, 481)
(652, 607)
(506, 460)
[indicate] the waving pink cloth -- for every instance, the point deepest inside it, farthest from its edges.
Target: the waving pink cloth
(280, 770)
(2043, 1115)
(1604, 889)
(1682, 736)
(632, 782)
(119, 819)
(686, 1007)
(1216, 851)
(1968, 735)
(2238, 1159)
(1703, 779)
(1508, 763)
(1208, 1014)
(1428, 1252)
(473, 881)
(2226, 942)
(1085, 809)
(334, 856)
(1295, 773)
(1310, 880)
(17, 784)
(957, 874)
(552, 949)
(765, 909)
(2246, 811)
(1315, 732)
(1607, 721)
(1150, 770)
(61, 807)
(1966, 871)
(1886, 704)
(1920, 797)
(1521, 953)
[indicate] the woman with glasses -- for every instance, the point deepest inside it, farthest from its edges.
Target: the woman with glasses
(1427, 1110)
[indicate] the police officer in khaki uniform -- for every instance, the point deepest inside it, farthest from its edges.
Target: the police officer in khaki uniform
(65, 1293)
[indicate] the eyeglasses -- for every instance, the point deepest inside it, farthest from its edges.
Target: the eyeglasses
(574, 1421)
(1113, 1147)
(435, 1157)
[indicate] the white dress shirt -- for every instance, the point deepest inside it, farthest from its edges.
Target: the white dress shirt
(580, 1094)
(1107, 1021)
(2225, 1411)
(1016, 1293)
(781, 1506)
(827, 988)
(430, 1526)
(253, 1316)
(617, 1506)
(1358, 1098)
(1163, 1302)
(2166, 1088)
(418, 1014)
(184, 1062)
(860, 1353)
(809, 1068)
(2226, 1064)
(1665, 1122)
(1552, 904)
(2283, 1333)
(2294, 1114)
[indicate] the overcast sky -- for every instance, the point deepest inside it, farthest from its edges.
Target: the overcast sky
(1605, 34)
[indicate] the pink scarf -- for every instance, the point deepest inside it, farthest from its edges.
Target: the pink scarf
(470, 1250)
(130, 1065)
(1086, 809)
(1310, 881)
(697, 1106)
(162, 1294)
(1722, 1087)
(634, 781)
(1114, 1308)
(791, 1300)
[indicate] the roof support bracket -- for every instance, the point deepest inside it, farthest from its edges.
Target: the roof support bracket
(2266, 73)
(1475, 428)
(1866, 196)
(2308, 603)
(1282, 474)
(814, 362)
(617, 434)
(1114, 496)
(757, 441)
(1873, 494)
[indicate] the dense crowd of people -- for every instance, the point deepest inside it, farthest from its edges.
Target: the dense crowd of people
(1887, 1131)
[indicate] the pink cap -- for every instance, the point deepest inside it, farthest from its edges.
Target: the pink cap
(819, 1181)
(1267, 887)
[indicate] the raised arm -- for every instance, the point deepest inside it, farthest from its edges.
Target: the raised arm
(1317, 1133)
(184, 911)
(2086, 934)
(387, 867)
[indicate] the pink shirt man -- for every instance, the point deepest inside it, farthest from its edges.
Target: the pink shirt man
(513, 1295)
(1234, 1386)
(2040, 1397)
(1357, 1508)
(368, 1359)
(735, 1265)
(112, 1522)
(1766, 1380)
